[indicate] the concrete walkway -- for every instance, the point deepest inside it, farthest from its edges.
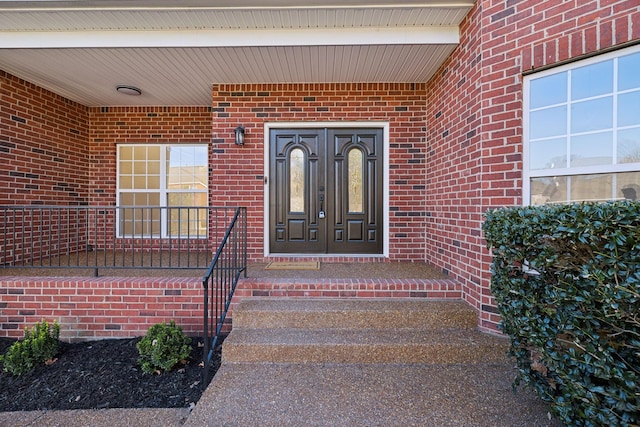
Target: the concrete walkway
(366, 395)
(336, 362)
(332, 395)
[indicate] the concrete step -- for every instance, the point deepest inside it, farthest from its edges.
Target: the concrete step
(362, 346)
(309, 313)
(348, 395)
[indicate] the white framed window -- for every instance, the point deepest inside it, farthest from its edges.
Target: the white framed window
(582, 130)
(162, 190)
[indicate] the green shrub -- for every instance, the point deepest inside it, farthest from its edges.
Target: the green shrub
(164, 346)
(39, 345)
(566, 279)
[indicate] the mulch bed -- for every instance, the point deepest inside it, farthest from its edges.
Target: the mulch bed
(102, 374)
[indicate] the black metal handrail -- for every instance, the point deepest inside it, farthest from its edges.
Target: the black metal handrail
(111, 237)
(229, 262)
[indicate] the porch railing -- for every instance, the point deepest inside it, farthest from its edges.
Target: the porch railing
(111, 237)
(229, 262)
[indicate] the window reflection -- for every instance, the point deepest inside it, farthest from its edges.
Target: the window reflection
(186, 167)
(152, 177)
(595, 187)
(592, 149)
(596, 114)
(629, 109)
(548, 154)
(592, 80)
(628, 75)
(549, 122)
(629, 145)
(585, 146)
(549, 90)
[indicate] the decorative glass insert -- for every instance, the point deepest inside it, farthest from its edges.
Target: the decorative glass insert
(356, 177)
(582, 129)
(296, 181)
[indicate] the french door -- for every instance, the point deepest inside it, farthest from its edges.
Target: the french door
(326, 191)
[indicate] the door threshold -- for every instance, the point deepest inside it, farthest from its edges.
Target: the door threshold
(328, 257)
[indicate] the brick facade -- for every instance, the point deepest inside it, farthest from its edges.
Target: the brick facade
(43, 143)
(145, 125)
(455, 150)
(238, 172)
(474, 119)
(105, 307)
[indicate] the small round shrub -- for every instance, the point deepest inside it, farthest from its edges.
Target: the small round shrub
(38, 345)
(164, 346)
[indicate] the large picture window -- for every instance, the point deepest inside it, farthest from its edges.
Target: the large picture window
(161, 188)
(582, 130)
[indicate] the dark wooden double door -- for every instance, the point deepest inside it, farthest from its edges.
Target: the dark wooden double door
(326, 191)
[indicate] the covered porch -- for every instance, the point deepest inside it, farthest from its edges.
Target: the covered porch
(88, 85)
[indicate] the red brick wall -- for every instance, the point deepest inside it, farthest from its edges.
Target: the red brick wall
(43, 161)
(94, 308)
(453, 161)
(239, 171)
(43, 146)
(130, 125)
(474, 119)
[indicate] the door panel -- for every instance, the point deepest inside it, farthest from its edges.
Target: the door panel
(296, 170)
(355, 162)
(325, 191)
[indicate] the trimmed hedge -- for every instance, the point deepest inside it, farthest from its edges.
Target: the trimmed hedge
(566, 279)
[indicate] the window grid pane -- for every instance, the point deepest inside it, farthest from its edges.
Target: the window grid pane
(584, 118)
(598, 187)
(143, 185)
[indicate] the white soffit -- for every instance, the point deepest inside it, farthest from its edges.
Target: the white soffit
(83, 49)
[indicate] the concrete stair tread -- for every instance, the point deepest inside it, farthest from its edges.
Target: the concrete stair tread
(282, 365)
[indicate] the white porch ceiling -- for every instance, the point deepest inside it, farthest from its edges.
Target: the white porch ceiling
(83, 49)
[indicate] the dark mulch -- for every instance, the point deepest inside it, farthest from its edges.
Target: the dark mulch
(101, 374)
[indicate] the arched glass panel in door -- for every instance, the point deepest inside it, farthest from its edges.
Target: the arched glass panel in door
(296, 181)
(355, 180)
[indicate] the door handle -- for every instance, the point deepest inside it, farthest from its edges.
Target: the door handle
(321, 214)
